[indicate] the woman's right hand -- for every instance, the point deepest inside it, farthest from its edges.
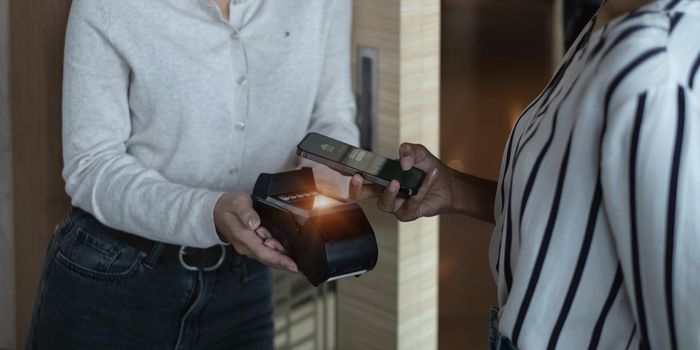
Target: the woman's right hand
(435, 195)
(237, 223)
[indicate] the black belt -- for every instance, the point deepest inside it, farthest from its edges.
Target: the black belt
(206, 259)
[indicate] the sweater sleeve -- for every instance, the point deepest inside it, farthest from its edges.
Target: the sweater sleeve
(650, 168)
(334, 108)
(101, 176)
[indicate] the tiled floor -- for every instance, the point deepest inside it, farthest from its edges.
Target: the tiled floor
(495, 59)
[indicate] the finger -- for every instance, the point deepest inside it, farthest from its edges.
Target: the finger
(360, 189)
(355, 190)
(407, 155)
(244, 239)
(410, 210)
(425, 186)
(266, 255)
(386, 200)
(418, 156)
(243, 208)
(263, 233)
(275, 244)
(274, 258)
(269, 240)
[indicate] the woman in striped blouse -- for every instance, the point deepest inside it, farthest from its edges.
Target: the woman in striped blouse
(597, 237)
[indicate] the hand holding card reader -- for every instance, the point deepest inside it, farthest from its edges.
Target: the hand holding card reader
(350, 160)
(327, 238)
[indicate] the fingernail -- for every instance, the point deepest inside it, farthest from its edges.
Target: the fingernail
(269, 244)
(394, 186)
(252, 223)
(355, 180)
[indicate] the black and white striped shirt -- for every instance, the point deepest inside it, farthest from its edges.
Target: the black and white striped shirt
(597, 239)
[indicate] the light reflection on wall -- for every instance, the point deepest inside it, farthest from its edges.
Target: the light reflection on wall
(516, 109)
(456, 164)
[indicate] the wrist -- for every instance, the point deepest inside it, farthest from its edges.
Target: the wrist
(221, 236)
(209, 219)
(460, 191)
(473, 196)
(219, 211)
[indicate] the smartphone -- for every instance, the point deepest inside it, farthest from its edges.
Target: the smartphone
(350, 160)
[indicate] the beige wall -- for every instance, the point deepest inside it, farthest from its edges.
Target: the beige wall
(395, 305)
(7, 311)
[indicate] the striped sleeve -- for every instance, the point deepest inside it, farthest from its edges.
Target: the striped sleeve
(650, 166)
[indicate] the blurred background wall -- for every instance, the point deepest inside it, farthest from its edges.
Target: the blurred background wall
(496, 57)
(7, 310)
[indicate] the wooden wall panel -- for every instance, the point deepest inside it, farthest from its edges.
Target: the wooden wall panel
(367, 306)
(395, 306)
(7, 274)
(420, 123)
(37, 32)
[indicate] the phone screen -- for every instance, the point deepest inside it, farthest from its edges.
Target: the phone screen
(359, 159)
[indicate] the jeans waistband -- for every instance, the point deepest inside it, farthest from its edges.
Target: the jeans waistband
(498, 341)
(190, 258)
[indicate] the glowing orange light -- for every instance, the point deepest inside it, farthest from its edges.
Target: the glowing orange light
(322, 201)
(515, 110)
(456, 164)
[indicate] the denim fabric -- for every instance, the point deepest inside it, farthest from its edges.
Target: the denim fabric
(498, 341)
(98, 293)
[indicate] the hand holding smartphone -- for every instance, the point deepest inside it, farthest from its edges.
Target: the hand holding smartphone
(351, 160)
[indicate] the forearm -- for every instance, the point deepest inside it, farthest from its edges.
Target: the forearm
(473, 196)
(124, 195)
(334, 109)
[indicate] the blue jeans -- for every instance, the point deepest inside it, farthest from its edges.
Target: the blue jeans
(498, 341)
(99, 293)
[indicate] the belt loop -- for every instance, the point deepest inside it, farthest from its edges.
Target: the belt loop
(494, 316)
(154, 254)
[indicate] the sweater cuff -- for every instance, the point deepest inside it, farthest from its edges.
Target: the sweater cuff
(208, 236)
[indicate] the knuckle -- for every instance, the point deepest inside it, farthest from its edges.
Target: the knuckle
(241, 200)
